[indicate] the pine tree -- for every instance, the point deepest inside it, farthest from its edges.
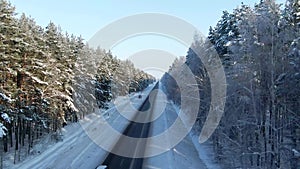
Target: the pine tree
(292, 12)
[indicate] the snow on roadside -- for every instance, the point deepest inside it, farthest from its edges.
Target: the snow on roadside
(183, 155)
(205, 150)
(76, 150)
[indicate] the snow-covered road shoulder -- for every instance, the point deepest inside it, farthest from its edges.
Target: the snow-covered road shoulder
(204, 150)
(77, 150)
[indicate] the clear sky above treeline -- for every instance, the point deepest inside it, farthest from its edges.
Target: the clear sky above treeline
(87, 17)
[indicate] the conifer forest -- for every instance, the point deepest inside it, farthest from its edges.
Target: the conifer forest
(50, 79)
(260, 51)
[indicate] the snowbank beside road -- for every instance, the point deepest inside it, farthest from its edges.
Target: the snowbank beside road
(77, 150)
(205, 150)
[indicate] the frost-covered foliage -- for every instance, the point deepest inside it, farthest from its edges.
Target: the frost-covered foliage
(47, 78)
(5, 119)
(3, 130)
(259, 48)
(5, 98)
(118, 78)
(100, 77)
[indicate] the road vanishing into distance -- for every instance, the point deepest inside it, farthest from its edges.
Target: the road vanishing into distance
(134, 129)
(178, 157)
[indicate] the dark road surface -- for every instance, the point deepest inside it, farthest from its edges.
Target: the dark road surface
(137, 130)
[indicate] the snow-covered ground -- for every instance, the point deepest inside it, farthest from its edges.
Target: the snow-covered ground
(183, 156)
(205, 150)
(188, 154)
(78, 150)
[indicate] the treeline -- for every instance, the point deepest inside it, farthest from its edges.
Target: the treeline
(49, 78)
(260, 51)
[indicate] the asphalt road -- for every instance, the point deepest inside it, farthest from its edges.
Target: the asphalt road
(134, 129)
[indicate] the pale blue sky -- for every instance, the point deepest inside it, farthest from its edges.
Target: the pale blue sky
(87, 17)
